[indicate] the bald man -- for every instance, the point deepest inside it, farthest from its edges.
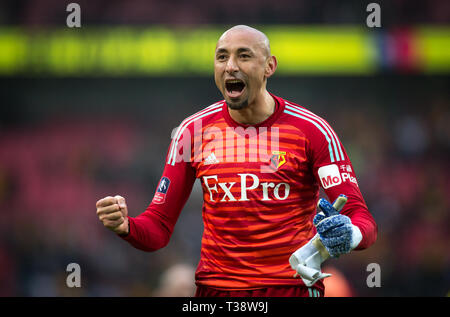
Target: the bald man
(261, 161)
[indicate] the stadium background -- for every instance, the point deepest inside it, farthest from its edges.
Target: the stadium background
(87, 112)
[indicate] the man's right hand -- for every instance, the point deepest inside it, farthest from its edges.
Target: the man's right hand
(113, 213)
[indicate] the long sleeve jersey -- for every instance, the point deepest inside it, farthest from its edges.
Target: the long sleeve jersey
(260, 190)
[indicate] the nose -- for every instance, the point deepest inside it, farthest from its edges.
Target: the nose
(232, 66)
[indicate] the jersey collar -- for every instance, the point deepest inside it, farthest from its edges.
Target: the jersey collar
(279, 104)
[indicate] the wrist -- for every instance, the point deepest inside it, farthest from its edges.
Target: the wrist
(356, 237)
(127, 232)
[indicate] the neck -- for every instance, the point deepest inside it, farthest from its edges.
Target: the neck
(256, 112)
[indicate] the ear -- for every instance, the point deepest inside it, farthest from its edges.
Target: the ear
(271, 66)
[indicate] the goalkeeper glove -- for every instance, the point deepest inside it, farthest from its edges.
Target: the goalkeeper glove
(336, 231)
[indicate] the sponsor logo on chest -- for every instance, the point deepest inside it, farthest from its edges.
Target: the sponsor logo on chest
(248, 182)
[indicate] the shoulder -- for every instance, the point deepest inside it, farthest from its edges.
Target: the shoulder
(185, 132)
(205, 115)
(318, 131)
(303, 117)
(310, 123)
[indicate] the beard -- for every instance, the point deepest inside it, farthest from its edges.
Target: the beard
(237, 105)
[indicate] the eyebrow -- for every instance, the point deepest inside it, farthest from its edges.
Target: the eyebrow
(239, 50)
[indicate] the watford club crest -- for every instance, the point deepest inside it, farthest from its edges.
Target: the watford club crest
(277, 159)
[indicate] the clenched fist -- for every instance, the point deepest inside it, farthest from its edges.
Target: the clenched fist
(113, 213)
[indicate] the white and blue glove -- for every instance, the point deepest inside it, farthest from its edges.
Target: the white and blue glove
(336, 231)
(336, 235)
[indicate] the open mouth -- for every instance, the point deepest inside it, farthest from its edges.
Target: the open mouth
(234, 87)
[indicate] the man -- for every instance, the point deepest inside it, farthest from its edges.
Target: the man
(258, 208)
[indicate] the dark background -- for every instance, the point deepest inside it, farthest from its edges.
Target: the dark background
(67, 142)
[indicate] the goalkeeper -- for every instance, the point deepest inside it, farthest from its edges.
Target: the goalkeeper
(259, 208)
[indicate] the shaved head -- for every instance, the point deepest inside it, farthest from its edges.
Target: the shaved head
(242, 64)
(259, 38)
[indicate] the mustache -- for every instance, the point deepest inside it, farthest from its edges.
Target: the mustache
(238, 76)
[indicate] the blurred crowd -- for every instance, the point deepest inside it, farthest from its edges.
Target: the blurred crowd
(66, 143)
(180, 12)
(402, 163)
(53, 169)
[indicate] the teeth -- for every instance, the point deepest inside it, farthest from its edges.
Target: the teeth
(233, 81)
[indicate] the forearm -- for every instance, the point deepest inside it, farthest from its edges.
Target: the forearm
(369, 230)
(147, 232)
(356, 209)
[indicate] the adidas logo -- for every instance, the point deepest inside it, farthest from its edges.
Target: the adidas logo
(211, 159)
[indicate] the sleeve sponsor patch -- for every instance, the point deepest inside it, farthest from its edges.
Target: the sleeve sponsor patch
(329, 176)
(161, 191)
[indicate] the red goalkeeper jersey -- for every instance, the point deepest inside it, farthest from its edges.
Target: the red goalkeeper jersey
(260, 190)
